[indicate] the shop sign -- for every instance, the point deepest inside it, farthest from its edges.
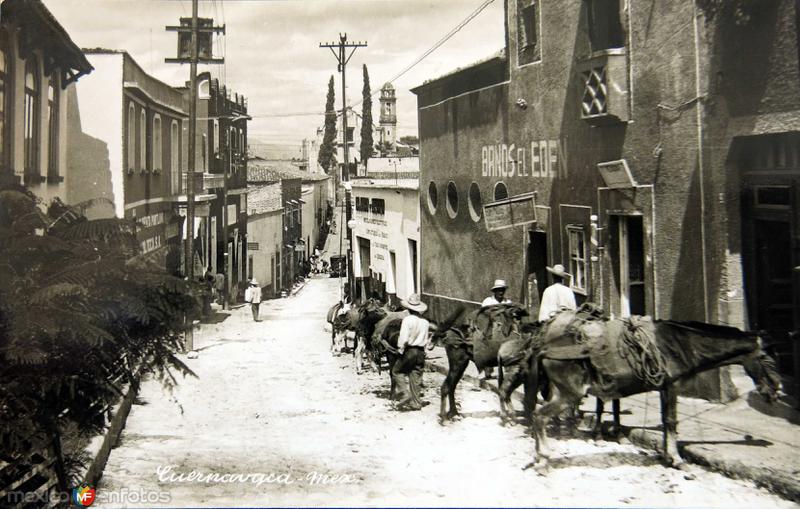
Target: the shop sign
(539, 158)
(515, 211)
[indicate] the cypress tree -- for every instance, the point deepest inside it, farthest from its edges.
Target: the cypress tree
(327, 151)
(366, 119)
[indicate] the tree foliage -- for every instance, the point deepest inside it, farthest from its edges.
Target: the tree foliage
(81, 314)
(367, 143)
(410, 140)
(327, 151)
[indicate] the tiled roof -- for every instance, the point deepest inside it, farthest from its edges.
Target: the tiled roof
(264, 198)
(273, 171)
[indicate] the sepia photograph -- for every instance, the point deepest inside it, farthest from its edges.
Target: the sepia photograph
(400, 253)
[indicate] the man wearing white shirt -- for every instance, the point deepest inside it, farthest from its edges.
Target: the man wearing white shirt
(411, 342)
(498, 296)
(556, 297)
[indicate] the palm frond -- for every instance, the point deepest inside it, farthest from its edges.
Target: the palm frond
(70, 214)
(58, 290)
(99, 230)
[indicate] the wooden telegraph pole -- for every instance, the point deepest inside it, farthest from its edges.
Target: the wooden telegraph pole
(189, 52)
(342, 59)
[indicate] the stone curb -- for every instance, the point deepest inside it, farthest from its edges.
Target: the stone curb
(100, 447)
(776, 482)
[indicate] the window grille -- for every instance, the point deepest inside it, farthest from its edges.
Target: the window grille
(595, 94)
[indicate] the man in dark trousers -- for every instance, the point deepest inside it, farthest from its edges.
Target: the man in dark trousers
(411, 344)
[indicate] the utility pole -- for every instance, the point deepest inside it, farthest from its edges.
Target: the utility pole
(192, 27)
(342, 59)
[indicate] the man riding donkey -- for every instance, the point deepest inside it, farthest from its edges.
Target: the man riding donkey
(497, 297)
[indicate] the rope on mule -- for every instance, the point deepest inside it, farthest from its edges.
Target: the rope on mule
(638, 348)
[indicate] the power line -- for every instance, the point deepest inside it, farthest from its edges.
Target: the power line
(419, 59)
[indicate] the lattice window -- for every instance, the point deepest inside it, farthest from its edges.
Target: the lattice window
(595, 94)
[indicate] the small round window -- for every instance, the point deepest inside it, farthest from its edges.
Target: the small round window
(433, 197)
(500, 191)
(452, 199)
(475, 202)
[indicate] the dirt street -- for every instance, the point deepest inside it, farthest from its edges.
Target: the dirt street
(273, 405)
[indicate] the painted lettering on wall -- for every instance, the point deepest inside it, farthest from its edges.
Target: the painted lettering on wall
(151, 244)
(541, 158)
(152, 220)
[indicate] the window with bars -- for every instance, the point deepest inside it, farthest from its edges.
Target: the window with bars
(378, 206)
(595, 92)
(577, 257)
(528, 36)
(31, 120)
(53, 104)
(362, 204)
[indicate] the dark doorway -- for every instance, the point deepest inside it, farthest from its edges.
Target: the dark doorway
(770, 295)
(770, 171)
(537, 261)
(636, 265)
(627, 258)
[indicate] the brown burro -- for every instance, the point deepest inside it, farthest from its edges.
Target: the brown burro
(615, 358)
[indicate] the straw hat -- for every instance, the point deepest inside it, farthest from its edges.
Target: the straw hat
(498, 284)
(414, 303)
(253, 282)
(558, 270)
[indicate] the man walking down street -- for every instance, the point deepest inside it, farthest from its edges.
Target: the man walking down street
(253, 296)
(557, 296)
(411, 344)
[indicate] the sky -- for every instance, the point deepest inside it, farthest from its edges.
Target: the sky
(272, 53)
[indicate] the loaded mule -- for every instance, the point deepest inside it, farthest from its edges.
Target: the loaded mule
(615, 358)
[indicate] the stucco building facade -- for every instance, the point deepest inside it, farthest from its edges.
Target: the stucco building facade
(386, 231)
(39, 65)
(663, 160)
(126, 144)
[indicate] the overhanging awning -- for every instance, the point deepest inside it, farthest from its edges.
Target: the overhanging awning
(39, 30)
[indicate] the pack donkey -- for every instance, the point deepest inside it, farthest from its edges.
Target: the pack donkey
(616, 358)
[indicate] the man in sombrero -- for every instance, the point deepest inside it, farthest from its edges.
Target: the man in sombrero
(498, 296)
(557, 296)
(411, 343)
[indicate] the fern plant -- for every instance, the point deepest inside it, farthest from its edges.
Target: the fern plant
(82, 315)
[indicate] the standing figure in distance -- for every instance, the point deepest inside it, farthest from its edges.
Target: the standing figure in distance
(253, 296)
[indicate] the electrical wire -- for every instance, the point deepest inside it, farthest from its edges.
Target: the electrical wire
(419, 59)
